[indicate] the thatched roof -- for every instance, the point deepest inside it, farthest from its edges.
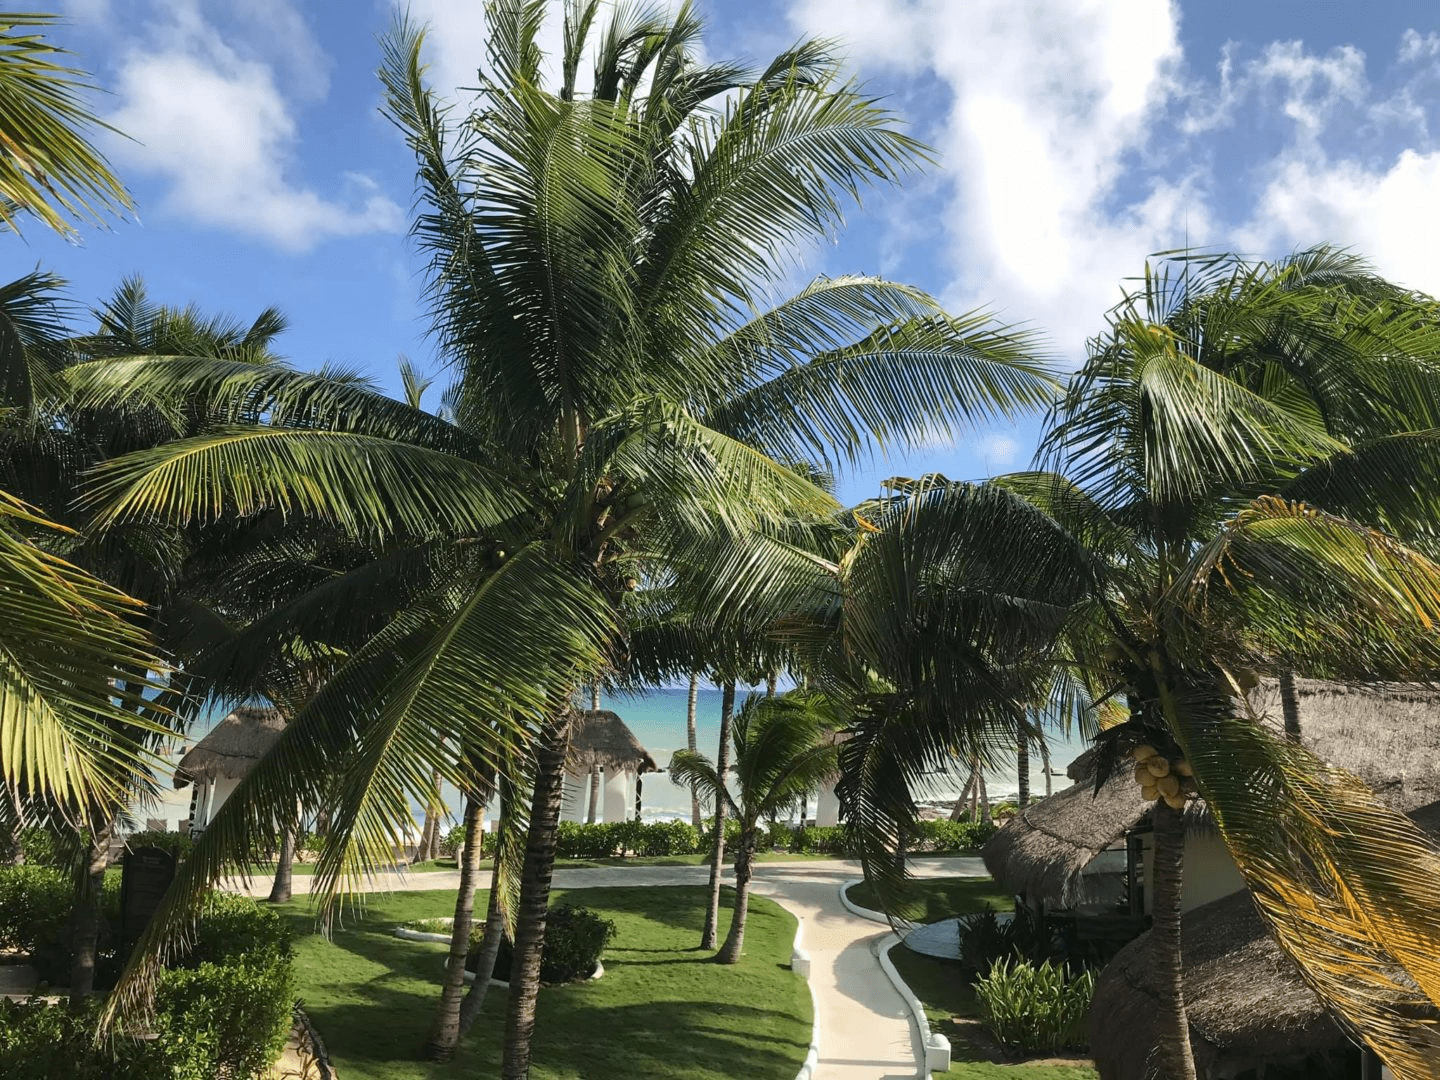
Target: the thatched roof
(1247, 1004)
(1387, 734)
(600, 737)
(233, 746)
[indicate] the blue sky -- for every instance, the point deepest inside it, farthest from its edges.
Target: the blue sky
(1073, 138)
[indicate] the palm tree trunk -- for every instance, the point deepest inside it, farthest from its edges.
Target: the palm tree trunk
(717, 849)
(1290, 705)
(1165, 942)
(285, 869)
(445, 1032)
(735, 940)
(958, 812)
(1045, 763)
(1022, 764)
(595, 697)
(430, 834)
(771, 681)
(489, 949)
(534, 897)
(984, 797)
(690, 742)
(594, 809)
(85, 938)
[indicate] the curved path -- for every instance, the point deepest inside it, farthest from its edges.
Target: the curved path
(864, 1029)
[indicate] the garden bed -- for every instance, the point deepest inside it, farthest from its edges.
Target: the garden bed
(662, 1011)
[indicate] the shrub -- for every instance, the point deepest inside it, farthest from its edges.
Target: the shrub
(985, 940)
(224, 1012)
(667, 838)
(177, 844)
(42, 848)
(452, 842)
(1035, 1010)
(820, 840)
(780, 836)
(35, 903)
(575, 938)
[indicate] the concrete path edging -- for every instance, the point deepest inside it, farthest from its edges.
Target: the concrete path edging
(937, 1046)
(863, 912)
(800, 964)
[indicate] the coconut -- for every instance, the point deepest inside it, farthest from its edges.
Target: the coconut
(1150, 792)
(1142, 753)
(1142, 774)
(1182, 767)
(1168, 786)
(1175, 802)
(1158, 766)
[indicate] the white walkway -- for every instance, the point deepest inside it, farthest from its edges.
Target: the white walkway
(865, 1031)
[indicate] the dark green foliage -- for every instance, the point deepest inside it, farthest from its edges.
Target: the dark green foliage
(223, 1011)
(611, 839)
(34, 905)
(177, 844)
(779, 837)
(575, 937)
(819, 840)
(950, 836)
(1035, 1010)
(985, 940)
(42, 848)
(452, 842)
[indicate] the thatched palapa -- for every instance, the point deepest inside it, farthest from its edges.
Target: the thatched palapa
(600, 738)
(1387, 734)
(233, 747)
(1247, 1004)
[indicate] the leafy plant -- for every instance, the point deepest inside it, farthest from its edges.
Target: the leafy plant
(452, 842)
(35, 901)
(574, 940)
(177, 844)
(1035, 1010)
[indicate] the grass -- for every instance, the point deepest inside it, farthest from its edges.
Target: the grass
(933, 899)
(662, 1010)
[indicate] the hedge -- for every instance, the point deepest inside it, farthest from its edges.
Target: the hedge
(223, 1011)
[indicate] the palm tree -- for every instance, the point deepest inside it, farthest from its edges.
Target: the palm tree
(690, 744)
(1204, 517)
(781, 754)
(48, 169)
(625, 391)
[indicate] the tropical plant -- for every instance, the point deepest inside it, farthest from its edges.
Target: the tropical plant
(781, 753)
(1035, 1010)
(1209, 515)
(48, 167)
(601, 266)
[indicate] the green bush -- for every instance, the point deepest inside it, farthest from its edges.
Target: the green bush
(177, 844)
(985, 940)
(575, 938)
(819, 840)
(1035, 1010)
(452, 842)
(42, 848)
(667, 838)
(952, 836)
(780, 836)
(223, 1012)
(35, 903)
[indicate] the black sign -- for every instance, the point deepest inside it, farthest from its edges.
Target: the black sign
(147, 874)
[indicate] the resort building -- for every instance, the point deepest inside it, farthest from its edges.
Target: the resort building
(1080, 859)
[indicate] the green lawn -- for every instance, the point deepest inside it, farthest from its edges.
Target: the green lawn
(933, 899)
(661, 1010)
(307, 869)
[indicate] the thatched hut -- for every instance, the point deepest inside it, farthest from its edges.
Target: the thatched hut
(1249, 1008)
(601, 742)
(1074, 850)
(222, 758)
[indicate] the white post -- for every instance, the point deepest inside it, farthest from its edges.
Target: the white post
(617, 795)
(827, 806)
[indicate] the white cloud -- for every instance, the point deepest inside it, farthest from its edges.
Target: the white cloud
(997, 451)
(1050, 102)
(207, 113)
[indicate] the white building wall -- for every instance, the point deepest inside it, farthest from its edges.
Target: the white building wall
(1210, 873)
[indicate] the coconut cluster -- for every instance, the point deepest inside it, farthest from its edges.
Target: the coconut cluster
(1161, 778)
